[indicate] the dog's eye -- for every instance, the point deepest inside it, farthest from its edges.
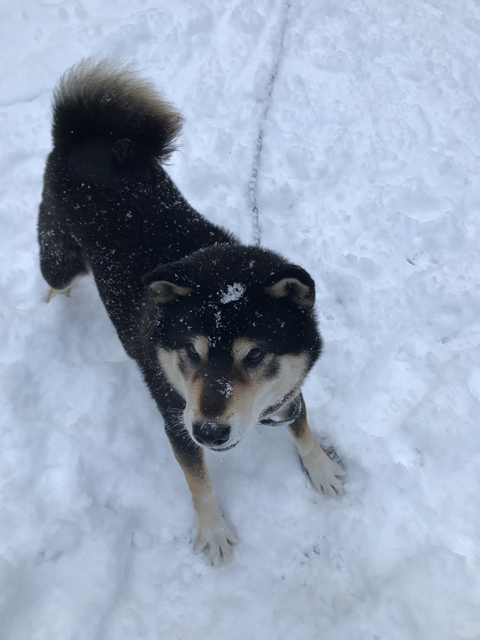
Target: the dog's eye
(191, 351)
(255, 356)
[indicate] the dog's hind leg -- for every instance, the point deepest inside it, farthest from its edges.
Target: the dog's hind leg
(61, 257)
(214, 535)
(325, 473)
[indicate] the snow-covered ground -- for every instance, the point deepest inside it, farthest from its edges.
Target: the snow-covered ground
(367, 175)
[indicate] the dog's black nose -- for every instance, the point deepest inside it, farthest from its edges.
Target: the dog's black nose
(211, 433)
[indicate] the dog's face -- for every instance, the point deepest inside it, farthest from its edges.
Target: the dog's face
(228, 390)
(235, 344)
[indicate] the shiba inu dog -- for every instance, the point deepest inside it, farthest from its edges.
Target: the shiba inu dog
(223, 333)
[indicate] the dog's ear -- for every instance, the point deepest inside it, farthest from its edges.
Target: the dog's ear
(167, 285)
(165, 292)
(293, 283)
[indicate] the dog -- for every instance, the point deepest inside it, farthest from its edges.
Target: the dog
(224, 334)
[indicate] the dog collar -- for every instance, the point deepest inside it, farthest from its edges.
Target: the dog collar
(296, 409)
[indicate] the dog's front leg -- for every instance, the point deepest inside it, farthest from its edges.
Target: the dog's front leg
(214, 535)
(325, 474)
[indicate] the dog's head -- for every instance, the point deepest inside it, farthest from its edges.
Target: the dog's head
(235, 334)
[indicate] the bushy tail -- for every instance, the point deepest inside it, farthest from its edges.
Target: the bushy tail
(102, 106)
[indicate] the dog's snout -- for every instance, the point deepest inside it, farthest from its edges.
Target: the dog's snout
(211, 433)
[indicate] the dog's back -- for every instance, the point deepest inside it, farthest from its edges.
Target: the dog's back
(108, 206)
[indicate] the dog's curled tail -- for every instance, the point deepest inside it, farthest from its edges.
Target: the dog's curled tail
(99, 105)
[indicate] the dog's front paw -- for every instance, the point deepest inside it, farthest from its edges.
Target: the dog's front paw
(325, 474)
(217, 543)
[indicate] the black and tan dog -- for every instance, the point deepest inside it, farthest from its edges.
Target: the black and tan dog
(224, 334)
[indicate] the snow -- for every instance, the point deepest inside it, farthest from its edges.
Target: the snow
(353, 127)
(234, 292)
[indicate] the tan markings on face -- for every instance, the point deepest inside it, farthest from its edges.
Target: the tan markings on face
(243, 396)
(241, 348)
(179, 368)
(201, 347)
(256, 388)
(271, 380)
(169, 362)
